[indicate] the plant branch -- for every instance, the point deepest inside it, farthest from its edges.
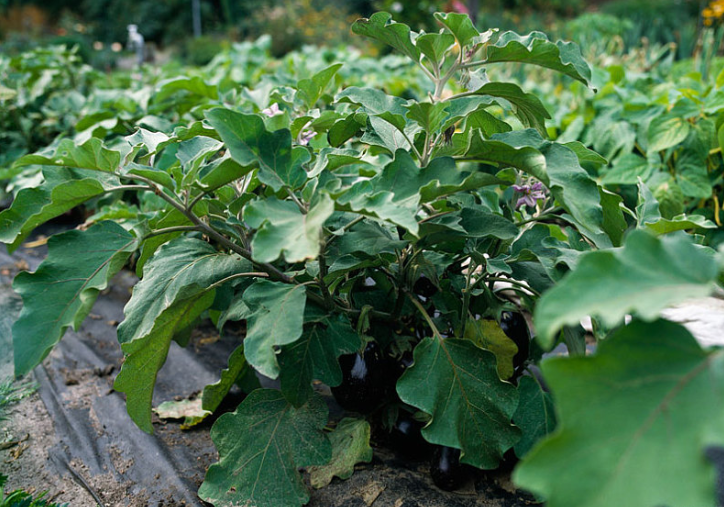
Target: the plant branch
(169, 230)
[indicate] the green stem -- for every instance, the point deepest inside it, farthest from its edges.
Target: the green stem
(425, 315)
(466, 297)
(169, 230)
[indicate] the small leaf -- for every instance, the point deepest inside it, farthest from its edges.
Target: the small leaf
(261, 447)
(616, 408)
(310, 90)
(527, 107)
(284, 230)
(381, 27)
(457, 383)
(434, 46)
(644, 277)
(275, 317)
(350, 445)
(238, 371)
(61, 293)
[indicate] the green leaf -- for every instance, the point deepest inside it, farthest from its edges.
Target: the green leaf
(585, 156)
(262, 445)
(667, 131)
(627, 170)
(310, 90)
(381, 27)
(314, 356)
(248, 141)
(526, 106)
(62, 190)
(275, 316)
(429, 116)
(680, 223)
(238, 371)
(535, 415)
(89, 155)
(487, 334)
(62, 291)
(457, 384)
(460, 26)
(644, 277)
(536, 49)
(194, 85)
(617, 412)
(350, 445)
(284, 230)
(178, 285)
(693, 179)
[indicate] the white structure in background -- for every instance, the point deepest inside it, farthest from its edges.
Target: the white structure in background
(136, 43)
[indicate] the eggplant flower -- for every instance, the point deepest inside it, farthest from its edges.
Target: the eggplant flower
(530, 194)
(272, 110)
(305, 136)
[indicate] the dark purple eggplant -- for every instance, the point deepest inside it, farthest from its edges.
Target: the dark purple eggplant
(424, 287)
(446, 470)
(515, 327)
(406, 437)
(368, 380)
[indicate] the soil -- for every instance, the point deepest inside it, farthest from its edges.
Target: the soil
(80, 445)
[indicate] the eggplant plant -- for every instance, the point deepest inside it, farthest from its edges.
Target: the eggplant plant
(341, 222)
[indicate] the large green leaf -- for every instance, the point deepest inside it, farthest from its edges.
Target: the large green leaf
(536, 49)
(314, 356)
(262, 445)
(178, 285)
(457, 383)
(645, 276)
(89, 155)
(350, 445)
(62, 291)
(275, 316)
(487, 334)
(381, 28)
(460, 25)
(284, 230)
(249, 141)
(634, 422)
(62, 190)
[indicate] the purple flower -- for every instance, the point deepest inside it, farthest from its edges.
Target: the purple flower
(305, 136)
(531, 194)
(272, 110)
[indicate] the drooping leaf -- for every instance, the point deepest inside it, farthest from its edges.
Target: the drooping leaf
(178, 285)
(314, 356)
(350, 445)
(238, 372)
(434, 46)
(248, 141)
(487, 334)
(645, 276)
(284, 230)
(275, 316)
(457, 383)
(62, 190)
(61, 292)
(618, 411)
(536, 49)
(535, 415)
(527, 107)
(190, 411)
(261, 447)
(89, 155)
(381, 27)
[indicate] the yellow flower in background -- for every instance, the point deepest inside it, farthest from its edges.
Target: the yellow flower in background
(713, 12)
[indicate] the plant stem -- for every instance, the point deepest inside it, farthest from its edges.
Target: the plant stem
(466, 297)
(169, 230)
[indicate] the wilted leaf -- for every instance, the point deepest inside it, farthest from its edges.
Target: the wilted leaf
(350, 445)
